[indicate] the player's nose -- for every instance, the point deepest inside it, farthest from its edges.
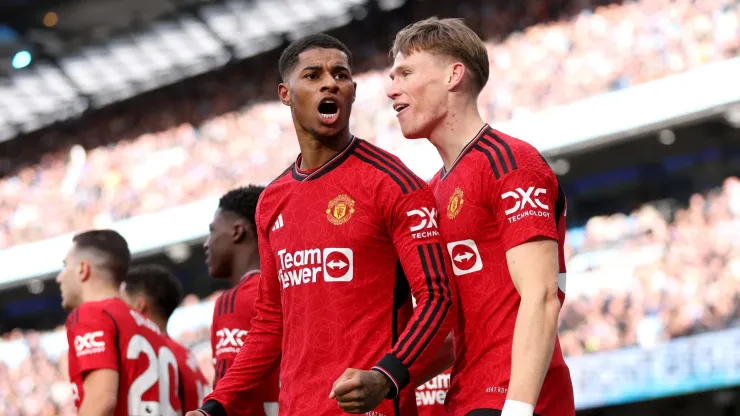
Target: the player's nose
(392, 90)
(329, 84)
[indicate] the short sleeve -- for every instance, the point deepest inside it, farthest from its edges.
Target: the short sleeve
(525, 203)
(92, 338)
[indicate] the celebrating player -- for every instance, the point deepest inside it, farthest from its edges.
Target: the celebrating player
(155, 293)
(502, 214)
(119, 363)
(346, 234)
(231, 253)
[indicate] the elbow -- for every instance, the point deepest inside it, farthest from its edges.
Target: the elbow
(108, 404)
(103, 404)
(545, 301)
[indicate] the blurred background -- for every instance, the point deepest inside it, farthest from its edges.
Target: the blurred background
(139, 114)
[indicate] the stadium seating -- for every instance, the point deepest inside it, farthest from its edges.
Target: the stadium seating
(624, 282)
(544, 66)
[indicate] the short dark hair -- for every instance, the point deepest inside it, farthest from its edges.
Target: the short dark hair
(242, 202)
(289, 57)
(158, 284)
(111, 246)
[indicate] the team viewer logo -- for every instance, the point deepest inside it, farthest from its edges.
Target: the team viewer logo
(311, 265)
(340, 209)
(338, 265)
(465, 257)
(455, 204)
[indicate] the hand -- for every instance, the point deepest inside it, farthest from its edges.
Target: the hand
(359, 391)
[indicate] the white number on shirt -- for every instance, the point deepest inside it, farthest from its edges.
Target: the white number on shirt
(156, 371)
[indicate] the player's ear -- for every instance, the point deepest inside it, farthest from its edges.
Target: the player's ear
(238, 232)
(141, 306)
(455, 75)
(84, 270)
(284, 93)
(354, 91)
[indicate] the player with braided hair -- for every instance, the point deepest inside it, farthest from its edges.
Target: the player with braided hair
(231, 253)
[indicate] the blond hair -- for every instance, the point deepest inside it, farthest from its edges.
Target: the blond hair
(446, 37)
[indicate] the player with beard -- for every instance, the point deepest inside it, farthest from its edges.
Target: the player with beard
(346, 235)
(502, 214)
(231, 253)
(155, 293)
(119, 362)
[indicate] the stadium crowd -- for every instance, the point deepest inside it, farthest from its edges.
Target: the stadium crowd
(162, 158)
(644, 278)
(633, 279)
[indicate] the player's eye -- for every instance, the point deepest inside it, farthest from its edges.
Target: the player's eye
(406, 73)
(341, 76)
(311, 75)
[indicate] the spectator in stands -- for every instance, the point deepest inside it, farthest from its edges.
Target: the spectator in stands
(162, 158)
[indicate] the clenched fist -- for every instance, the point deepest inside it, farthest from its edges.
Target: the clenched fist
(358, 391)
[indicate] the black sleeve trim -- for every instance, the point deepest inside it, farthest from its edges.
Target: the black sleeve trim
(214, 408)
(396, 371)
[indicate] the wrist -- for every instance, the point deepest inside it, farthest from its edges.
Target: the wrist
(516, 408)
(389, 388)
(384, 381)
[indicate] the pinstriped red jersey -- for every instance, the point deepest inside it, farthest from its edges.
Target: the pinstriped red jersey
(192, 385)
(232, 316)
(107, 334)
(342, 248)
(498, 194)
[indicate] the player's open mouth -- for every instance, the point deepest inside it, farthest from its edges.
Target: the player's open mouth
(328, 111)
(399, 108)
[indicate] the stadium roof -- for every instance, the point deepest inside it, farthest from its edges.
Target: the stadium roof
(94, 52)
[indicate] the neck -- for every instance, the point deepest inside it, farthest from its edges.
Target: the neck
(161, 323)
(316, 151)
(97, 291)
(455, 131)
(249, 260)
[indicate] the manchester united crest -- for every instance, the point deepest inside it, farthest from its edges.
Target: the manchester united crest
(340, 209)
(456, 203)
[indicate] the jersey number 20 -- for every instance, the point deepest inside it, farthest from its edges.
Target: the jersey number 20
(158, 370)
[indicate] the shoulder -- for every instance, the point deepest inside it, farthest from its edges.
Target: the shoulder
(92, 311)
(274, 189)
(387, 168)
(281, 177)
(506, 154)
(180, 352)
(248, 285)
(435, 179)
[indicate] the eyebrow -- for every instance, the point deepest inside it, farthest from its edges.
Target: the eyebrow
(393, 71)
(319, 68)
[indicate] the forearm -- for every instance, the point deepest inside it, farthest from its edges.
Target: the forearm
(442, 361)
(534, 340)
(424, 334)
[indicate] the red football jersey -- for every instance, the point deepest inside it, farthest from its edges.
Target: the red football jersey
(107, 334)
(498, 194)
(193, 386)
(342, 248)
(232, 320)
(430, 397)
